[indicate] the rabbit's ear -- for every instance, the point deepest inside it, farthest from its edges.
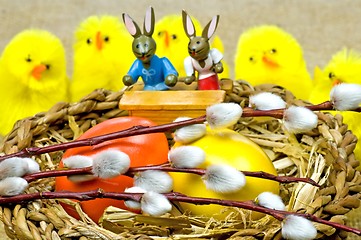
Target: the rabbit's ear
(149, 21)
(188, 25)
(131, 26)
(211, 27)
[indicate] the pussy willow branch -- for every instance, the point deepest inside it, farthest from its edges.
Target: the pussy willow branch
(133, 131)
(139, 130)
(199, 171)
(328, 105)
(99, 193)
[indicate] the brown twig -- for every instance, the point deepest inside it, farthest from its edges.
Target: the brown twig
(99, 193)
(57, 173)
(278, 113)
(250, 112)
(199, 171)
(139, 130)
(133, 131)
(251, 205)
(280, 179)
(328, 105)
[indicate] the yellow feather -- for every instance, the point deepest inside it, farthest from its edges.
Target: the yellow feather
(344, 66)
(24, 95)
(172, 42)
(268, 54)
(103, 67)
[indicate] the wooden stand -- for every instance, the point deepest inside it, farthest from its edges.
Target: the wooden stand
(165, 106)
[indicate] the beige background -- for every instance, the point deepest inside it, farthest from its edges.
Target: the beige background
(321, 26)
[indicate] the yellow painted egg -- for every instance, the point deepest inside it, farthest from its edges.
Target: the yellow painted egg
(226, 147)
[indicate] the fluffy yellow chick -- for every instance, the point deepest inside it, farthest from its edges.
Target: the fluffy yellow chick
(172, 42)
(268, 54)
(32, 76)
(102, 55)
(344, 67)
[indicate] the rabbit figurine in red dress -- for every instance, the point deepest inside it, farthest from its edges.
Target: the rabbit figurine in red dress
(203, 59)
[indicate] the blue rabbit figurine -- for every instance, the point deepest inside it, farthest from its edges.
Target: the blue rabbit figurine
(157, 73)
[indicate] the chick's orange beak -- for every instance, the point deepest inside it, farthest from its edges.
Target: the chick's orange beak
(37, 71)
(99, 41)
(166, 39)
(336, 82)
(269, 62)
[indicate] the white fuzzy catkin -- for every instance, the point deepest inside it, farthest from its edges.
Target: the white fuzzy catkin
(298, 228)
(346, 96)
(223, 179)
(13, 167)
(223, 115)
(154, 180)
(79, 161)
(110, 163)
(190, 133)
(131, 203)
(155, 204)
(186, 156)
(299, 119)
(271, 201)
(266, 101)
(12, 186)
(33, 166)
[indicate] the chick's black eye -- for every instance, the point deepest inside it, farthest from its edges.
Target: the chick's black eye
(331, 75)
(106, 39)
(251, 59)
(174, 36)
(273, 50)
(28, 59)
(88, 41)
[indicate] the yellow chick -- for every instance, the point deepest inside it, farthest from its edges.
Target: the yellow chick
(172, 42)
(102, 55)
(268, 54)
(344, 67)
(32, 76)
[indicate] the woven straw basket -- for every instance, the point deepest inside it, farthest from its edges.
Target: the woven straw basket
(325, 154)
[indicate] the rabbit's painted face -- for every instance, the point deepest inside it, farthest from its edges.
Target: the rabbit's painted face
(198, 48)
(144, 48)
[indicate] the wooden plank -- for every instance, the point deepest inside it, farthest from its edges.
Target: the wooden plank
(168, 116)
(170, 100)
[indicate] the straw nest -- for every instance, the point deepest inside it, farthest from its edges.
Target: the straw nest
(325, 154)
